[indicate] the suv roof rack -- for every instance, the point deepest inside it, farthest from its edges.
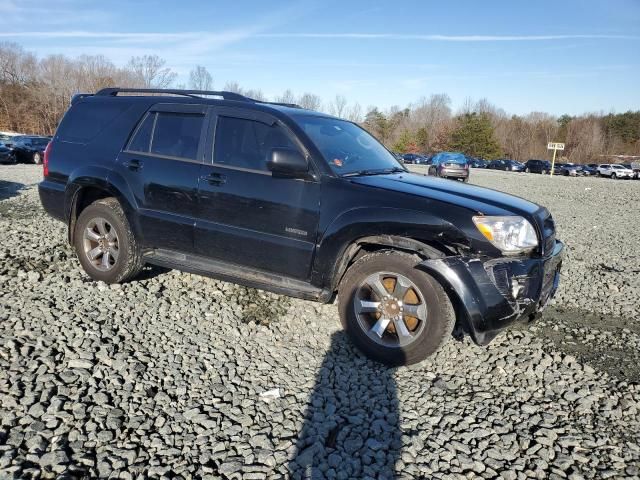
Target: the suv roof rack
(114, 91)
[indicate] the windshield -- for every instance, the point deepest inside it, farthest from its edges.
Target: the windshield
(40, 141)
(348, 148)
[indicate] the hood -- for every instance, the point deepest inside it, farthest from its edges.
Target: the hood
(477, 199)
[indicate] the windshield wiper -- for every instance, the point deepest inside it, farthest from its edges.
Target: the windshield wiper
(378, 171)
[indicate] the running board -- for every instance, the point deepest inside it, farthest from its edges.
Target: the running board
(236, 274)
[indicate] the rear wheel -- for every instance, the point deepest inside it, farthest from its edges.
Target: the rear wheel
(394, 313)
(543, 172)
(37, 158)
(527, 170)
(613, 176)
(105, 244)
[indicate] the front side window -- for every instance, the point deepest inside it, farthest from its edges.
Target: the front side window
(177, 135)
(347, 148)
(245, 143)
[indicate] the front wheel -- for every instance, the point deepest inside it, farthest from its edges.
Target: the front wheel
(543, 172)
(394, 313)
(527, 170)
(105, 245)
(613, 176)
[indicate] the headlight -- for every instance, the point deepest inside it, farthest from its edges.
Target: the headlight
(511, 234)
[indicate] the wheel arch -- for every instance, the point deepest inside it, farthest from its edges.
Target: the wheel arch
(84, 189)
(371, 243)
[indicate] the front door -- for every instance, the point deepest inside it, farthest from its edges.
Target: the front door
(161, 165)
(245, 215)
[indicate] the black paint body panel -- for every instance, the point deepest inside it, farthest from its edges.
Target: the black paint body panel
(295, 233)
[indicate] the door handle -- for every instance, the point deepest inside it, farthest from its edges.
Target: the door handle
(133, 165)
(215, 179)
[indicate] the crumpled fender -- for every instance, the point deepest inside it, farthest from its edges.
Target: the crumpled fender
(478, 297)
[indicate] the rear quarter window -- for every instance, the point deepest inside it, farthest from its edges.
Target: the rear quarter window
(85, 120)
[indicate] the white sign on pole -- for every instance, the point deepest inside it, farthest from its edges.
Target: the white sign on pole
(555, 146)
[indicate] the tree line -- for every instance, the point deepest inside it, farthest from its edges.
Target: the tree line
(35, 93)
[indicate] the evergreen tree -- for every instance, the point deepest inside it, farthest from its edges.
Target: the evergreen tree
(474, 136)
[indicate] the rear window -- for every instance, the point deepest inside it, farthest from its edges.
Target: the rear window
(457, 158)
(85, 120)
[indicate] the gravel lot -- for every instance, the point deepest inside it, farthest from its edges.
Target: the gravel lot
(166, 376)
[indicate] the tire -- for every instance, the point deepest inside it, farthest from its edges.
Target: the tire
(127, 258)
(527, 170)
(614, 176)
(37, 158)
(465, 180)
(427, 331)
(543, 172)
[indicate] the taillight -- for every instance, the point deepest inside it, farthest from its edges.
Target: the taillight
(45, 161)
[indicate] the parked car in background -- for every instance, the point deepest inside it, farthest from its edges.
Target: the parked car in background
(506, 165)
(587, 170)
(614, 171)
(478, 163)
(452, 165)
(6, 154)
(568, 169)
(7, 138)
(635, 166)
(29, 149)
(537, 166)
(415, 159)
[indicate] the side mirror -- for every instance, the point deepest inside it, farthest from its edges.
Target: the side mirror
(287, 162)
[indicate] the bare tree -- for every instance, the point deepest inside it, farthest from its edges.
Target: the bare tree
(286, 97)
(149, 71)
(200, 79)
(310, 101)
(354, 113)
(338, 106)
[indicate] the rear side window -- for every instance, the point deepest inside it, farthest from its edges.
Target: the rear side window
(142, 138)
(177, 135)
(246, 143)
(85, 120)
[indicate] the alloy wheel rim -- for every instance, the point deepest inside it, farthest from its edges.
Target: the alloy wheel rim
(390, 309)
(100, 242)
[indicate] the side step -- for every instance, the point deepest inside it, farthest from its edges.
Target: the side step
(236, 274)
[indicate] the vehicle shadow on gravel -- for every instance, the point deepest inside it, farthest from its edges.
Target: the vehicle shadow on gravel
(10, 189)
(351, 427)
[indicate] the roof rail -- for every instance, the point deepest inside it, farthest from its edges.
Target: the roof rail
(114, 91)
(78, 96)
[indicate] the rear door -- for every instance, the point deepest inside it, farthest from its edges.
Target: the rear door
(161, 164)
(245, 215)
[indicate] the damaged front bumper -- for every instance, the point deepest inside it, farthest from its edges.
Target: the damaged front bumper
(496, 292)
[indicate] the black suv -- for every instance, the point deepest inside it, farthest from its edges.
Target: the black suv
(537, 166)
(297, 202)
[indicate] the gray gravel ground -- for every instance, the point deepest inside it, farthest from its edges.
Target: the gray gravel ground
(163, 377)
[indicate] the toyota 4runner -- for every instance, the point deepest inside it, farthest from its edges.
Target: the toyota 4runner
(293, 201)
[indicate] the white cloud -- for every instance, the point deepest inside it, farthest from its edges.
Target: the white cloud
(448, 38)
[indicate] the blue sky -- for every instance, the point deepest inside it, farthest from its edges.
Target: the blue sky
(570, 56)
